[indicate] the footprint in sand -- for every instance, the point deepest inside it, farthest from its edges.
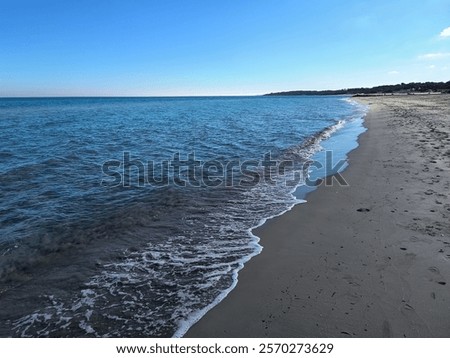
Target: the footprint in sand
(363, 210)
(434, 270)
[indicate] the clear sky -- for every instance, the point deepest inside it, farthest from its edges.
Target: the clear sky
(209, 47)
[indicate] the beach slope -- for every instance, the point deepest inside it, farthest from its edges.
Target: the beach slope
(371, 259)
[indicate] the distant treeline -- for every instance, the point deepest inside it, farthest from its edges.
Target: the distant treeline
(402, 87)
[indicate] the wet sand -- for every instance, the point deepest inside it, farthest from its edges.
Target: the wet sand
(368, 260)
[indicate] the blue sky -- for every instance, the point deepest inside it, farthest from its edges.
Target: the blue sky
(172, 47)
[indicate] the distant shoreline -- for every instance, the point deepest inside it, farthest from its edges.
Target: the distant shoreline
(402, 88)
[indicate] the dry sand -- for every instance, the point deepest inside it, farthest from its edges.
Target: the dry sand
(331, 268)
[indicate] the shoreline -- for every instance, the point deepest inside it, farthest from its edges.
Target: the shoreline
(355, 125)
(368, 261)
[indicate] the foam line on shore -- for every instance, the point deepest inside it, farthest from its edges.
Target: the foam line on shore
(314, 145)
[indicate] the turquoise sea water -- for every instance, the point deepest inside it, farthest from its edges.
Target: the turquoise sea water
(93, 242)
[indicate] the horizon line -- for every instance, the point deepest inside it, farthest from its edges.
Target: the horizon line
(135, 96)
(218, 95)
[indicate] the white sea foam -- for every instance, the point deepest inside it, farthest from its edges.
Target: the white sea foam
(308, 152)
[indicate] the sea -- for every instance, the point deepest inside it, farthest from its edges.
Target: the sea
(131, 217)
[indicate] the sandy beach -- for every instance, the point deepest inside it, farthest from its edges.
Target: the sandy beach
(368, 260)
